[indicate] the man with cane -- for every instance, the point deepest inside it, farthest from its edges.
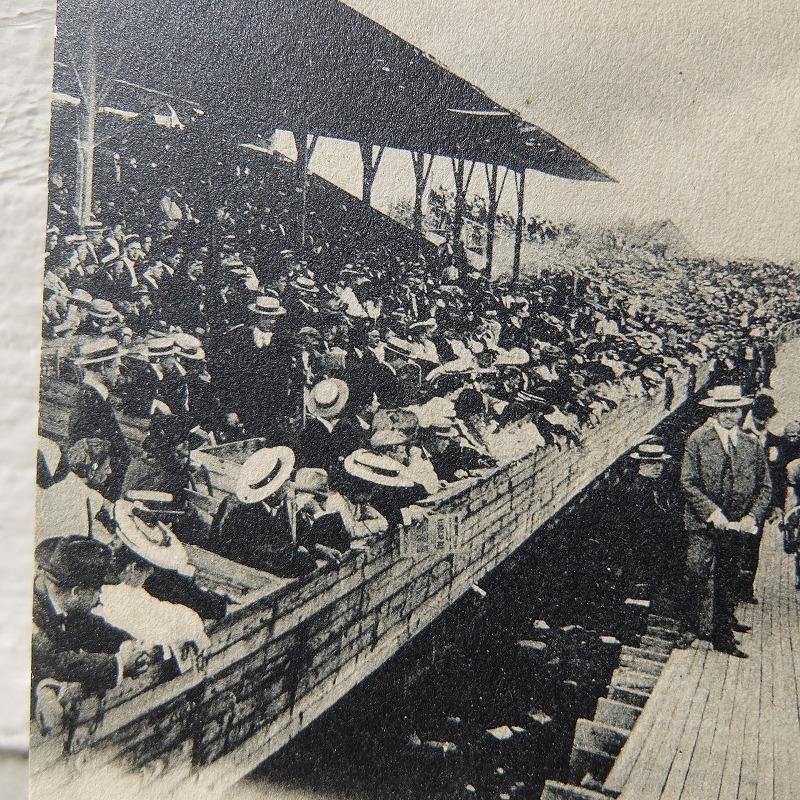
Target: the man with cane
(727, 488)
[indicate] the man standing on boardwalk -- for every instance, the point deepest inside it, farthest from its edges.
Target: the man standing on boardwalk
(727, 487)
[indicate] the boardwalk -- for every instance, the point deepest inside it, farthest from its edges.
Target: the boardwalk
(722, 728)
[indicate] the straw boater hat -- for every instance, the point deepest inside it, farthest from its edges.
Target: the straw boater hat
(264, 473)
(328, 398)
(267, 306)
(423, 325)
(305, 284)
(106, 349)
(726, 397)
(159, 348)
(188, 346)
(444, 427)
(387, 437)
(377, 469)
(150, 540)
(650, 451)
(102, 309)
(81, 297)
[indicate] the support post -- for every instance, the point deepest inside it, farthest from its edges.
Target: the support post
(422, 163)
(305, 144)
(462, 186)
(519, 181)
(87, 125)
(495, 193)
(370, 161)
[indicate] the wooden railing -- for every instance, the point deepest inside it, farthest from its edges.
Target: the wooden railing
(293, 649)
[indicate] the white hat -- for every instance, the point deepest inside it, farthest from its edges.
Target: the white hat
(378, 469)
(328, 398)
(264, 473)
(726, 397)
(516, 357)
(267, 306)
(650, 451)
(105, 349)
(189, 346)
(156, 544)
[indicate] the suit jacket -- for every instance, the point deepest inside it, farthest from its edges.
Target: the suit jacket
(747, 490)
(78, 648)
(249, 534)
(319, 447)
(94, 416)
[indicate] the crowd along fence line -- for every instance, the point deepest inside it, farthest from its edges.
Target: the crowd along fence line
(292, 650)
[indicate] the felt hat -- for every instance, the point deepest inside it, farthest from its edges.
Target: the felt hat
(728, 396)
(267, 306)
(264, 473)
(71, 561)
(377, 469)
(328, 398)
(650, 451)
(149, 539)
(105, 349)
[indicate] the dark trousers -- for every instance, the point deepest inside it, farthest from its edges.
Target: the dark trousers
(712, 569)
(748, 564)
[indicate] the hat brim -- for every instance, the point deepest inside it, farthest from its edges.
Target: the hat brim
(199, 355)
(158, 546)
(362, 471)
(81, 361)
(279, 312)
(643, 457)
(330, 411)
(248, 494)
(710, 402)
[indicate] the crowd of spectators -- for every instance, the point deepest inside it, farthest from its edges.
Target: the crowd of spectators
(442, 206)
(373, 373)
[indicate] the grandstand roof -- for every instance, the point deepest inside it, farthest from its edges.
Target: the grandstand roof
(313, 65)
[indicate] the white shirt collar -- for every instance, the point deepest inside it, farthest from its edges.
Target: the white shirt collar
(726, 436)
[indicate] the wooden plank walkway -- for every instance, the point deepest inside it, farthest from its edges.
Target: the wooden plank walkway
(723, 728)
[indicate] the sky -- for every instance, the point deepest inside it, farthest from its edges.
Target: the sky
(693, 107)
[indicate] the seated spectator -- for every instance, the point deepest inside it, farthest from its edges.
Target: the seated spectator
(451, 460)
(328, 436)
(255, 526)
(394, 493)
(70, 643)
(150, 556)
(68, 497)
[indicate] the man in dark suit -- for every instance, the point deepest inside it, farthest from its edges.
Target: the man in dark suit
(93, 416)
(727, 488)
(256, 526)
(327, 438)
(252, 363)
(70, 644)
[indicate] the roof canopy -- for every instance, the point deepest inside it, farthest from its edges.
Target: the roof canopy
(308, 65)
